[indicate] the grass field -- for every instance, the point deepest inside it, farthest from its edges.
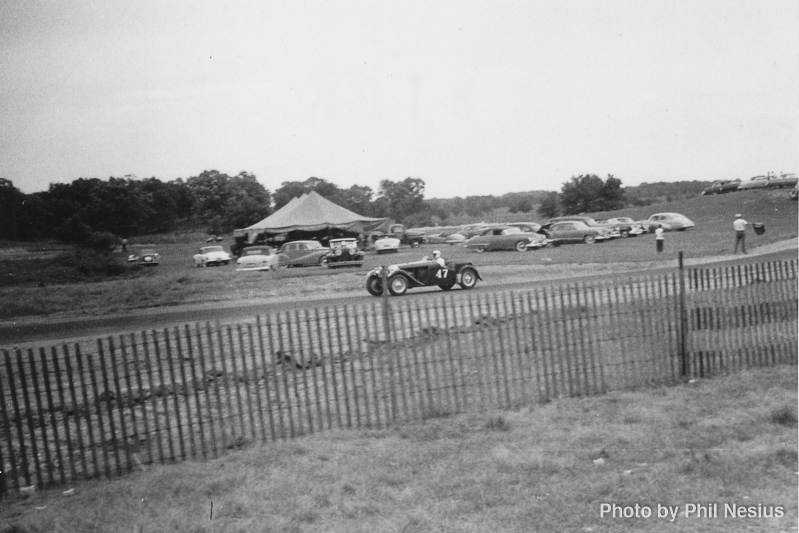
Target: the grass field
(176, 282)
(728, 441)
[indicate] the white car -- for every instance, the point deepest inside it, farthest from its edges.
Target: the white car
(669, 221)
(257, 258)
(387, 245)
(211, 256)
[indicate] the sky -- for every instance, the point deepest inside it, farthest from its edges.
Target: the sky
(474, 97)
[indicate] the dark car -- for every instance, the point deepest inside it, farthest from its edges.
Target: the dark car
(616, 230)
(302, 253)
(505, 238)
(146, 257)
(424, 273)
(344, 253)
(720, 187)
(574, 231)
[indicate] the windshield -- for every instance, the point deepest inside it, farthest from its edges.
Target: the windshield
(209, 249)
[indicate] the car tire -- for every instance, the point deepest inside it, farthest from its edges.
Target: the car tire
(520, 246)
(468, 278)
(374, 286)
(225, 263)
(322, 261)
(446, 286)
(398, 285)
(589, 239)
(624, 234)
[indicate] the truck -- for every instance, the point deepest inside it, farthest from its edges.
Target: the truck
(411, 237)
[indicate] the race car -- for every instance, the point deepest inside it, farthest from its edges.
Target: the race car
(423, 273)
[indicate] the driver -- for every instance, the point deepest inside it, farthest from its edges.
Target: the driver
(438, 259)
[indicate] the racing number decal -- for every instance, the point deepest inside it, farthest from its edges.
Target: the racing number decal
(442, 273)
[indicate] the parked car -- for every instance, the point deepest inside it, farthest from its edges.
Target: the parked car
(387, 245)
(211, 256)
(302, 253)
(412, 237)
(423, 273)
(626, 226)
(146, 257)
(783, 180)
(591, 223)
(455, 238)
(505, 238)
(720, 187)
(574, 231)
(527, 227)
(257, 258)
(669, 221)
(758, 182)
(344, 253)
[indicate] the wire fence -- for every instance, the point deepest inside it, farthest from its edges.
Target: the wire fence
(77, 411)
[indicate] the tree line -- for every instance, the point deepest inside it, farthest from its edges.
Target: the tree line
(218, 203)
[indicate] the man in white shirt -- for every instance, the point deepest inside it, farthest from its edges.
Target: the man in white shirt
(438, 259)
(739, 225)
(659, 238)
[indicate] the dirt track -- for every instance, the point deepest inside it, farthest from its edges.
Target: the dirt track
(25, 332)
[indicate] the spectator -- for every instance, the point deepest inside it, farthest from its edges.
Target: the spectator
(659, 238)
(739, 225)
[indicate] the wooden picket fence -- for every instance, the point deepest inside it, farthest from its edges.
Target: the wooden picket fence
(81, 411)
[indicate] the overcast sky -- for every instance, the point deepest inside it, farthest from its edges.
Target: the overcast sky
(473, 97)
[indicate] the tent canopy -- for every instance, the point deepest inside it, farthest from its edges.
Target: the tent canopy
(313, 212)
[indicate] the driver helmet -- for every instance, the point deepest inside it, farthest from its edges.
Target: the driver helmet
(436, 254)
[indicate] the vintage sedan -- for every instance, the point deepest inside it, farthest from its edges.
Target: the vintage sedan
(758, 182)
(344, 253)
(387, 245)
(626, 226)
(145, 257)
(615, 231)
(574, 231)
(257, 258)
(720, 187)
(669, 221)
(505, 238)
(302, 253)
(211, 256)
(783, 180)
(423, 273)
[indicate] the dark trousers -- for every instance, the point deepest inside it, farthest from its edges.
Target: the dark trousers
(659, 244)
(740, 238)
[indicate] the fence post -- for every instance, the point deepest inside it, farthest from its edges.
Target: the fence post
(683, 319)
(386, 309)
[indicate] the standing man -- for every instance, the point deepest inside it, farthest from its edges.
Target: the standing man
(739, 225)
(659, 238)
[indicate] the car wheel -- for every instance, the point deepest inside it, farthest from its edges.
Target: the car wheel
(374, 286)
(225, 263)
(398, 285)
(589, 239)
(447, 286)
(415, 244)
(521, 246)
(625, 234)
(468, 278)
(322, 261)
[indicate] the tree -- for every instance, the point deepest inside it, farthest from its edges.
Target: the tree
(225, 202)
(520, 204)
(550, 206)
(404, 198)
(11, 202)
(588, 193)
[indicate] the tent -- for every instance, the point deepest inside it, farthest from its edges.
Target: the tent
(312, 213)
